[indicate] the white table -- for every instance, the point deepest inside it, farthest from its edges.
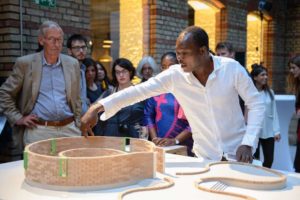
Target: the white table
(285, 108)
(13, 187)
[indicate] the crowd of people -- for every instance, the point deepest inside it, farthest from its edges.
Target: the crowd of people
(211, 104)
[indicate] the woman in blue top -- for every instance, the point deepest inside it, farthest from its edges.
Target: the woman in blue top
(163, 116)
(93, 89)
(270, 131)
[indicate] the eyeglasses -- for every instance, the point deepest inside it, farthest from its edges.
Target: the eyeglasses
(54, 40)
(118, 73)
(78, 48)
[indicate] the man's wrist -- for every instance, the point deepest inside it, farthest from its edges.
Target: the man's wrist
(176, 141)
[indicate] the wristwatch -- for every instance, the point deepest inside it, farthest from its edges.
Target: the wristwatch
(176, 141)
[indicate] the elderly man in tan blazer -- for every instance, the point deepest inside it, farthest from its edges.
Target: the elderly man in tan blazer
(41, 98)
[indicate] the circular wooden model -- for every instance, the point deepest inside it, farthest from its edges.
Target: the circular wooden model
(78, 163)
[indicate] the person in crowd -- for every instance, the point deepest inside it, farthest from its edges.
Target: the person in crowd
(77, 48)
(161, 116)
(294, 86)
(102, 77)
(225, 49)
(270, 131)
(41, 98)
(129, 120)
(207, 88)
(147, 68)
(94, 89)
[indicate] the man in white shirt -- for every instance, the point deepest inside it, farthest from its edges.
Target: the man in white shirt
(207, 88)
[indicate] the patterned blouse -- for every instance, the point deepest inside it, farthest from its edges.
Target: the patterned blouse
(164, 113)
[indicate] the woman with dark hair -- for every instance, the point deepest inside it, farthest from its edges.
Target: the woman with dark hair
(128, 121)
(270, 131)
(163, 116)
(94, 90)
(294, 86)
(102, 77)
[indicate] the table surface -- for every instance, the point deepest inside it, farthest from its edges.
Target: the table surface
(13, 187)
(283, 97)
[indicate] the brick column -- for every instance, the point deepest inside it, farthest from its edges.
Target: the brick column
(167, 19)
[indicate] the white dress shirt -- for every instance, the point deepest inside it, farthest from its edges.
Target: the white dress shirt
(270, 126)
(213, 110)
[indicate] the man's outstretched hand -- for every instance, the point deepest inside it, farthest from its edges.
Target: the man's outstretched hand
(244, 154)
(89, 119)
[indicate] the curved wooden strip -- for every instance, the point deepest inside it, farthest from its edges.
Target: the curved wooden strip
(168, 183)
(206, 169)
(278, 183)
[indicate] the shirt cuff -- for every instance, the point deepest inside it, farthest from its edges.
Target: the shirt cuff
(109, 111)
(249, 140)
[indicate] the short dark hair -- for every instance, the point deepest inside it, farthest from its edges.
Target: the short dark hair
(225, 45)
(198, 35)
(124, 63)
(75, 37)
(170, 54)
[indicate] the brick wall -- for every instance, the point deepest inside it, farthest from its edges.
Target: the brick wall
(234, 23)
(292, 26)
(72, 15)
(167, 19)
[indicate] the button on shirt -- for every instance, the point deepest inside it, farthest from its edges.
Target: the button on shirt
(51, 104)
(213, 111)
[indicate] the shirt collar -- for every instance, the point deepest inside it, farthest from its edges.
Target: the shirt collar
(44, 61)
(217, 66)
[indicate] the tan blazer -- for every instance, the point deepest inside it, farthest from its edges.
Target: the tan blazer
(19, 92)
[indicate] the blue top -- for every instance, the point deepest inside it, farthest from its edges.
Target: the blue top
(94, 95)
(51, 102)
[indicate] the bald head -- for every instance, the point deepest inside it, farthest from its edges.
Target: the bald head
(193, 35)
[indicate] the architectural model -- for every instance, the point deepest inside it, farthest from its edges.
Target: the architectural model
(78, 163)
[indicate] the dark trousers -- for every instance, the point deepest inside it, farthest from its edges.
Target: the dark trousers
(297, 158)
(268, 151)
(8, 148)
